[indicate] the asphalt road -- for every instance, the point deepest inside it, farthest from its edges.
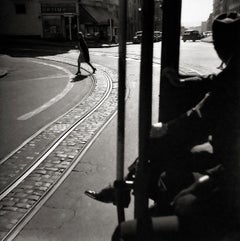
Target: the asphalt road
(34, 93)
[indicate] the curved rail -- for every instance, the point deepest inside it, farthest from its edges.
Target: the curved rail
(96, 116)
(26, 172)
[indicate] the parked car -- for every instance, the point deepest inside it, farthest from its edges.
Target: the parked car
(191, 35)
(157, 36)
(138, 37)
(207, 34)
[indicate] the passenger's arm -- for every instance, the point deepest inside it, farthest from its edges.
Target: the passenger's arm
(189, 81)
(191, 128)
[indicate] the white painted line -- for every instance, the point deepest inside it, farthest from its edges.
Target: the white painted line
(54, 99)
(47, 77)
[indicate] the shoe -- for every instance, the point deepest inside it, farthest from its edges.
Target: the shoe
(94, 70)
(108, 195)
(79, 72)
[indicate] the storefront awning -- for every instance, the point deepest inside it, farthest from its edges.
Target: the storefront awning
(93, 15)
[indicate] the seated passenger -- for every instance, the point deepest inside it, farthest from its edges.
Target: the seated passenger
(214, 199)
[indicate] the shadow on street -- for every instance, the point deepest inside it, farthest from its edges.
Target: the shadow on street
(33, 48)
(79, 78)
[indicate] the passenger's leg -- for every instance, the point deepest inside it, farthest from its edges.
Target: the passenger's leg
(178, 166)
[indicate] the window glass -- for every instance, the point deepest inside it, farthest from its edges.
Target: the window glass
(197, 54)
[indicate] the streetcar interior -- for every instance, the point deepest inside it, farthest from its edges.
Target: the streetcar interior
(171, 57)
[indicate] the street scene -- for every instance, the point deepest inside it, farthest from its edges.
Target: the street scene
(59, 114)
(54, 73)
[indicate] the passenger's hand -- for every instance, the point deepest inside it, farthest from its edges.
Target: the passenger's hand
(193, 189)
(158, 130)
(185, 205)
(183, 193)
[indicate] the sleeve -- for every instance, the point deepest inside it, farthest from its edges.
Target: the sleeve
(206, 83)
(198, 82)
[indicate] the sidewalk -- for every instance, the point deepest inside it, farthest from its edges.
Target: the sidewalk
(51, 43)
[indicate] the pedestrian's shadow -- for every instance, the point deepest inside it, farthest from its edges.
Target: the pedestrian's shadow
(79, 77)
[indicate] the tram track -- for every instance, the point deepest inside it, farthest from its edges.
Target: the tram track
(5, 189)
(24, 193)
(17, 179)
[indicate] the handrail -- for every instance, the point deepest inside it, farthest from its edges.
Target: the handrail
(121, 106)
(145, 109)
(171, 26)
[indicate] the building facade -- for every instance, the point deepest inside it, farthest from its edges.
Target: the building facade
(98, 19)
(20, 18)
(59, 19)
(224, 6)
(158, 15)
(233, 5)
(135, 17)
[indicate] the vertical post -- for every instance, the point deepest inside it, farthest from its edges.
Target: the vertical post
(145, 110)
(170, 55)
(121, 103)
(111, 29)
(77, 12)
(70, 27)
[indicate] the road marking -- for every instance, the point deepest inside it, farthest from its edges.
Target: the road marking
(47, 77)
(54, 99)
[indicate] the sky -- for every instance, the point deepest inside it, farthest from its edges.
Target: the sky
(195, 11)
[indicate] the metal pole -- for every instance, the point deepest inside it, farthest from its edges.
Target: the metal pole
(121, 103)
(111, 31)
(145, 110)
(77, 12)
(70, 27)
(170, 56)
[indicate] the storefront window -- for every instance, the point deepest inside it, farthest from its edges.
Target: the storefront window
(52, 27)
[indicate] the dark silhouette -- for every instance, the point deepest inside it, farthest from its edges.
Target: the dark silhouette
(206, 140)
(84, 53)
(79, 78)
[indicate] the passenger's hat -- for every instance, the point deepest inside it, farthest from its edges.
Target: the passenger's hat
(226, 34)
(226, 27)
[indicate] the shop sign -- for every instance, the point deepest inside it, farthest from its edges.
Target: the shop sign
(58, 8)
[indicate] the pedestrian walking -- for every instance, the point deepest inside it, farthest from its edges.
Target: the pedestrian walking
(84, 53)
